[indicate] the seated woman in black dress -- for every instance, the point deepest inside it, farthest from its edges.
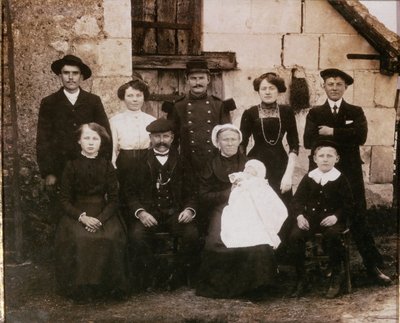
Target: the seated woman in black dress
(228, 272)
(90, 240)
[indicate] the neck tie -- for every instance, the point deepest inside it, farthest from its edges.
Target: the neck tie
(335, 108)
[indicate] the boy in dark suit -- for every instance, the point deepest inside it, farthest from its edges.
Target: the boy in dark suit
(346, 125)
(322, 204)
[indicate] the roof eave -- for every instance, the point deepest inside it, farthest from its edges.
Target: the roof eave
(378, 36)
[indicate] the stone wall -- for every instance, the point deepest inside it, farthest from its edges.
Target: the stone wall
(266, 35)
(310, 35)
(43, 31)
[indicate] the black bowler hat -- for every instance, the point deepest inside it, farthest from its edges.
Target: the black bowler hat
(334, 72)
(197, 65)
(325, 143)
(160, 125)
(57, 65)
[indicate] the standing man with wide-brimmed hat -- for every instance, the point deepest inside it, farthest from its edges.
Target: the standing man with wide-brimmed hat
(346, 125)
(61, 114)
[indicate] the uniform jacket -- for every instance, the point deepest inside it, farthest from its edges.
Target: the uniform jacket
(350, 131)
(316, 202)
(141, 193)
(194, 120)
(56, 141)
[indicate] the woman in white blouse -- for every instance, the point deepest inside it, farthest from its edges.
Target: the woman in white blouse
(128, 128)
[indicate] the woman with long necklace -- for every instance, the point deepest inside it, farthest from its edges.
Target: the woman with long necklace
(268, 122)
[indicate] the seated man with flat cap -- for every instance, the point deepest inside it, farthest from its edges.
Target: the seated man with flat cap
(161, 200)
(345, 124)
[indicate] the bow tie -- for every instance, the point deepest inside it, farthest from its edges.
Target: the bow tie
(160, 154)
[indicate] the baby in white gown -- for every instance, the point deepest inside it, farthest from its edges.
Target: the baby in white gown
(254, 214)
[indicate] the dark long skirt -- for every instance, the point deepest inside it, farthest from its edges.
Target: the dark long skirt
(91, 259)
(231, 272)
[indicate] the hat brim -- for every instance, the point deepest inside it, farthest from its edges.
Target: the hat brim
(197, 70)
(325, 143)
(334, 72)
(57, 65)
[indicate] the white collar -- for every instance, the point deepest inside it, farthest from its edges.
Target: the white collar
(323, 178)
(72, 95)
(161, 153)
(338, 103)
(90, 157)
(133, 113)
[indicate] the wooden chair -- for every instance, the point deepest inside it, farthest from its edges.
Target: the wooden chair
(165, 247)
(316, 258)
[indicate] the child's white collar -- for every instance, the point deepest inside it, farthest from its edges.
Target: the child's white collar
(323, 178)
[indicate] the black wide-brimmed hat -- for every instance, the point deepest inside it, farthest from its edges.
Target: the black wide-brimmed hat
(334, 72)
(160, 125)
(57, 65)
(197, 65)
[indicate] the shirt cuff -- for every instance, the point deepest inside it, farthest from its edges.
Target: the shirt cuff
(193, 210)
(80, 216)
(137, 212)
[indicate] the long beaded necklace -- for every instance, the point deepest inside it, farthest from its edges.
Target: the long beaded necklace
(270, 142)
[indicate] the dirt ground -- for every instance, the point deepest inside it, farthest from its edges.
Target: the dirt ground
(30, 297)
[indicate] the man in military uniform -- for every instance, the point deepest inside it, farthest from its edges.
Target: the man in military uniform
(196, 114)
(346, 125)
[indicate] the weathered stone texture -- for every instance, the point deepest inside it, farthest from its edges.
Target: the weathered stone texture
(226, 16)
(42, 30)
(117, 18)
(251, 16)
(382, 162)
(266, 18)
(265, 49)
(113, 59)
(322, 18)
(86, 26)
(301, 50)
(380, 126)
(365, 152)
(334, 49)
(385, 90)
(364, 84)
(106, 88)
(379, 195)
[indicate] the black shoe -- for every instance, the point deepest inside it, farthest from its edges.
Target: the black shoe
(334, 287)
(300, 289)
(378, 276)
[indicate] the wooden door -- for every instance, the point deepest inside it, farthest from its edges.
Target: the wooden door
(165, 35)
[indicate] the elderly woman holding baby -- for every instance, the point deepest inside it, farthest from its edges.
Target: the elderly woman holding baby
(231, 270)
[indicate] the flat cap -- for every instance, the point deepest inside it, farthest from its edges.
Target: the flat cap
(160, 125)
(197, 65)
(334, 72)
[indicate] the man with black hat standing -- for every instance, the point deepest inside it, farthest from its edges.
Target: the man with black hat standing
(196, 114)
(61, 114)
(346, 125)
(161, 199)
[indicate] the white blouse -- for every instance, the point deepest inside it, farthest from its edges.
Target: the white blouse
(129, 132)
